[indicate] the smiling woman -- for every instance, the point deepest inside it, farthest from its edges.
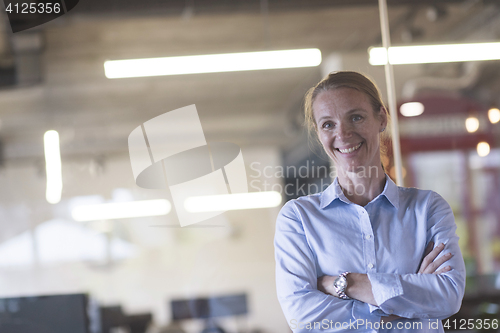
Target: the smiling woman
(360, 255)
(362, 87)
(348, 129)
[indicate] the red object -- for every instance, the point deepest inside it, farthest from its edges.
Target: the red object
(438, 108)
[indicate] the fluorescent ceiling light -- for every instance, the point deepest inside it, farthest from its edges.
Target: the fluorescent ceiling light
(213, 63)
(483, 149)
(424, 54)
(121, 210)
(412, 109)
(52, 166)
(471, 124)
(214, 203)
(494, 115)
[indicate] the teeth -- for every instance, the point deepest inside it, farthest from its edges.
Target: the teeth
(350, 150)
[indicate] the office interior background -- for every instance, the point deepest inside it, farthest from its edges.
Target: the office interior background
(52, 78)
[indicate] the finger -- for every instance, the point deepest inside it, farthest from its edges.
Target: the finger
(428, 259)
(435, 252)
(431, 268)
(429, 248)
(390, 318)
(441, 260)
(443, 270)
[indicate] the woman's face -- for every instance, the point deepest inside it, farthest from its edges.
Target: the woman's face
(348, 128)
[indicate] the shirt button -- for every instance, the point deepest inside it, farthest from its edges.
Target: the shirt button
(390, 311)
(370, 265)
(368, 236)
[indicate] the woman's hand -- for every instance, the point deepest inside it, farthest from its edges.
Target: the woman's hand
(359, 287)
(325, 285)
(363, 285)
(428, 265)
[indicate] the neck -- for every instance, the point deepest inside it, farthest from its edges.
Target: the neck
(361, 187)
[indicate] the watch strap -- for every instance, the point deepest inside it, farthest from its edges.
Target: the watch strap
(341, 289)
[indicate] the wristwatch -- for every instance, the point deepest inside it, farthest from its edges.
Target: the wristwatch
(340, 285)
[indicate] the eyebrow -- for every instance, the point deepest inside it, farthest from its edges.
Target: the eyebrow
(347, 113)
(356, 110)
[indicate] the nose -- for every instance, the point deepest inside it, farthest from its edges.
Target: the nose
(344, 131)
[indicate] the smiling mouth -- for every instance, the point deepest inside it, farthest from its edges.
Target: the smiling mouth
(350, 150)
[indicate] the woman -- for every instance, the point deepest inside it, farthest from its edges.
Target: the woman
(357, 257)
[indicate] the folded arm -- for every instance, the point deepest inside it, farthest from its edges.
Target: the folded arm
(296, 280)
(419, 295)
(360, 287)
(426, 295)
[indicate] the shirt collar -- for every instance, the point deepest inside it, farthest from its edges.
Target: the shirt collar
(391, 192)
(334, 191)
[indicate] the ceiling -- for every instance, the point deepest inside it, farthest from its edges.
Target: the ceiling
(61, 83)
(63, 86)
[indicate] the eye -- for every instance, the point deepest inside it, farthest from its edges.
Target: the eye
(327, 125)
(356, 118)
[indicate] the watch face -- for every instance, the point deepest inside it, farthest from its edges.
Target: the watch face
(341, 282)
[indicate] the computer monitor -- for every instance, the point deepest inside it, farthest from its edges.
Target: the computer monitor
(138, 323)
(209, 307)
(232, 305)
(44, 314)
(113, 317)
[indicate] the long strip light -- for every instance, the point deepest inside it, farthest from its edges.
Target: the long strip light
(53, 166)
(424, 54)
(121, 210)
(228, 62)
(236, 201)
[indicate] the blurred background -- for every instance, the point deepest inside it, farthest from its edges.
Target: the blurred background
(164, 278)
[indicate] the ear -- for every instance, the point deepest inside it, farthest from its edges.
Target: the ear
(383, 116)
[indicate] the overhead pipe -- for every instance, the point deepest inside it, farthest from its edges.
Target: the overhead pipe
(469, 77)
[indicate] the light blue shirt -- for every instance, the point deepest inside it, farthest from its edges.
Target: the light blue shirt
(326, 234)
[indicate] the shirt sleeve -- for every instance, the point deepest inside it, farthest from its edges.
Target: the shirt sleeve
(305, 307)
(426, 295)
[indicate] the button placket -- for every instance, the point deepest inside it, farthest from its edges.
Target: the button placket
(368, 241)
